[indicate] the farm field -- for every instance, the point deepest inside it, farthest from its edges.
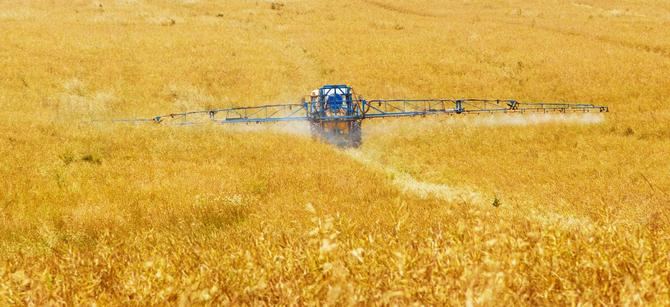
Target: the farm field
(561, 209)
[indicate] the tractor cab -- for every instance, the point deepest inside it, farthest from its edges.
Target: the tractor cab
(333, 101)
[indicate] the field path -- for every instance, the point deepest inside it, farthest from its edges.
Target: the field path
(422, 189)
(409, 185)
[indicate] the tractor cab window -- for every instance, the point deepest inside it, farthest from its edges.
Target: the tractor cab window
(335, 99)
(335, 102)
(335, 91)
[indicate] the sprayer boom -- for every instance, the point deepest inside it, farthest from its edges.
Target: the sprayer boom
(335, 114)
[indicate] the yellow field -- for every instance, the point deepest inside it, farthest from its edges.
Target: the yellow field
(119, 214)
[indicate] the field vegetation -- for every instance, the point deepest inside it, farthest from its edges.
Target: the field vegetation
(505, 210)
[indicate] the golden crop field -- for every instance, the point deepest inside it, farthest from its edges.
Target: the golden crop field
(453, 210)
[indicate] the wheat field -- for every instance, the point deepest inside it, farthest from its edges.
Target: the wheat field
(454, 210)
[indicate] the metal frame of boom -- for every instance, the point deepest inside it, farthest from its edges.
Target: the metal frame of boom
(338, 104)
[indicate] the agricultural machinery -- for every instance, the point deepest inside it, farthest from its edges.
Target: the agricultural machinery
(335, 113)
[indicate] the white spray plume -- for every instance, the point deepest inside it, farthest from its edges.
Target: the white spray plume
(293, 128)
(488, 120)
(536, 119)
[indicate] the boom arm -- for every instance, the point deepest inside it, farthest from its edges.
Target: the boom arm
(259, 114)
(417, 107)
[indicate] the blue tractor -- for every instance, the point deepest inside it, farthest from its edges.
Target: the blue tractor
(335, 115)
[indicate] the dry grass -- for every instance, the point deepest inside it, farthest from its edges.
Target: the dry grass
(474, 211)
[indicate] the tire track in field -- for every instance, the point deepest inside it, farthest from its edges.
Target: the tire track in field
(592, 37)
(422, 189)
(595, 37)
(409, 185)
(402, 10)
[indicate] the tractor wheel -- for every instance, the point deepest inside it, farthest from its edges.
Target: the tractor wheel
(356, 134)
(316, 130)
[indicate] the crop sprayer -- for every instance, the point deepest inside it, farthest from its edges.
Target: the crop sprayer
(335, 114)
